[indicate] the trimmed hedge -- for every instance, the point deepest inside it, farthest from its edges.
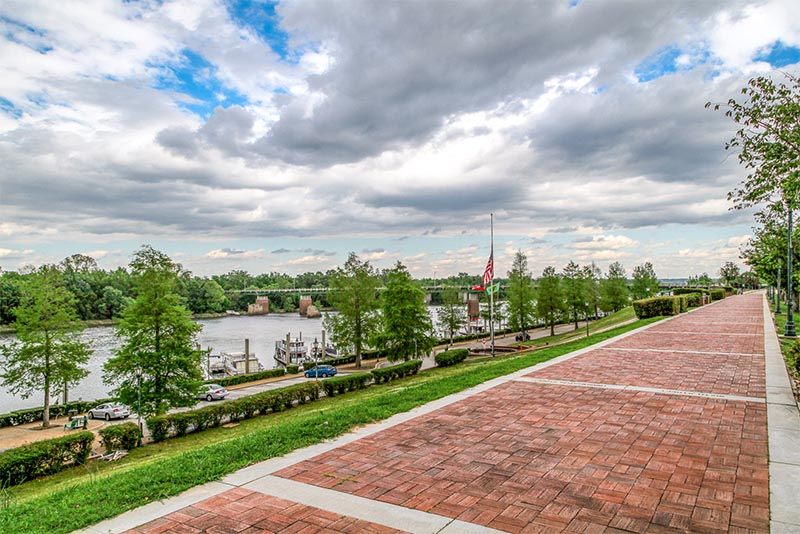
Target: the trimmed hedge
(251, 377)
(126, 436)
(658, 306)
(385, 374)
(179, 424)
(292, 369)
(689, 290)
(451, 357)
(44, 457)
(345, 383)
(31, 415)
(695, 299)
(718, 293)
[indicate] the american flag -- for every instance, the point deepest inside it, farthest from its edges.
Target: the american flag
(488, 274)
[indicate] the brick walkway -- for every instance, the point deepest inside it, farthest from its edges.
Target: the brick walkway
(663, 431)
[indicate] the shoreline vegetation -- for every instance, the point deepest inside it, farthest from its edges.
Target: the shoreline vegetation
(156, 471)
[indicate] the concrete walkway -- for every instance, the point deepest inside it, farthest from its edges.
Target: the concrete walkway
(688, 425)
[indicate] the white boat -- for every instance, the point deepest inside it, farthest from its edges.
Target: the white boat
(295, 353)
(316, 353)
(231, 363)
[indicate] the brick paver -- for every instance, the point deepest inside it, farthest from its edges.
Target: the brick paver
(709, 373)
(574, 456)
(247, 512)
(527, 457)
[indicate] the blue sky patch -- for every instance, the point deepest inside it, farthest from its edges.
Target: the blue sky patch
(8, 107)
(779, 55)
(263, 19)
(26, 35)
(196, 77)
(666, 61)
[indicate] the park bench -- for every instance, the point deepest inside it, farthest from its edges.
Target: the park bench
(77, 422)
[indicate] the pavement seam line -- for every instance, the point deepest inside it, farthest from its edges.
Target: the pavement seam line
(660, 391)
(681, 351)
(684, 333)
(349, 505)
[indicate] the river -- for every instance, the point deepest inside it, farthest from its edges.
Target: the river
(226, 334)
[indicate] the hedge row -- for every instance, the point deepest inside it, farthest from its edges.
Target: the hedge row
(250, 377)
(329, 361)
(718, 293)
(451, 357)
(31, 415)
(660, 306)
(44, 457)
(695, 299)
(345, 383)
(126, 436)
(179, 424)
(689, 290)
(386, 374)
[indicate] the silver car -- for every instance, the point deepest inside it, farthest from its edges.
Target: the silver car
(211, 392)
(109, 410)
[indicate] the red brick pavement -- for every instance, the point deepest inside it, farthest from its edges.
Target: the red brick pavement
(246, 512)
(525, 457)
(708, 373)
(538, 457)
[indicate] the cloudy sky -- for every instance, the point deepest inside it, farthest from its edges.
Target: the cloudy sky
(280, 136)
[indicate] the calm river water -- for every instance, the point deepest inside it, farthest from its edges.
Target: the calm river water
(226, 334)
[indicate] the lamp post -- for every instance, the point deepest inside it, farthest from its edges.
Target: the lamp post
(789, 331)
(316, 360)
(139, 402)
(587, 319)
(778, 295)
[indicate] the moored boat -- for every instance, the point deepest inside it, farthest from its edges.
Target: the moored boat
(291, 350)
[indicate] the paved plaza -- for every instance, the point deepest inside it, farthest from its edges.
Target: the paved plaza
(665, 430)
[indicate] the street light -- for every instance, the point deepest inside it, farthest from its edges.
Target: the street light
(316, 359)
(139, 403)
(789, 331)
(587, 319)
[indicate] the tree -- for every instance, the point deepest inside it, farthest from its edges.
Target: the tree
(452, 314)
(10, 295)
(702, 280)
(354, 294)
(768, 141)
(574, 286)
(111, 303)
(592, 276)
(48, 354)
(405, 323)
(203, 295)
(645, 282)
(158, 353)
(729, 272)
(614, 292)
(521, 305)
(549, 298)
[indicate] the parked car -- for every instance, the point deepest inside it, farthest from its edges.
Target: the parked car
(211, 392)
(321, 370)
(109, 410)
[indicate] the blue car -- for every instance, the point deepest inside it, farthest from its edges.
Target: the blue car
(321, 371)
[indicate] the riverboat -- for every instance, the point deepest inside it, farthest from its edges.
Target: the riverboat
(291, 351)
(231, 364)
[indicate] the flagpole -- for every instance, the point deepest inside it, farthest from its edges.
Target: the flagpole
(491, 282)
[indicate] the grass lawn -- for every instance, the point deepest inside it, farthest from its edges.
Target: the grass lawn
(82, 496)
(786, 343)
